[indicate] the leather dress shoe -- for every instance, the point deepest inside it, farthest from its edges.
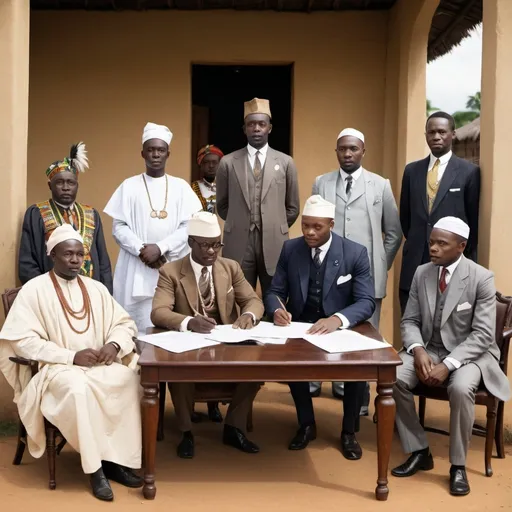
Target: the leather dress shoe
(302, 438)
(316, 393)
(418, 461)
(459, 485)
(101, 486)
(350, 448)
(236, 438)
(185, 449)
(122, 475)
(214, 413)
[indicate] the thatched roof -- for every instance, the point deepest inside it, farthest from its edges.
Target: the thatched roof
(452, 22)
(468, 132)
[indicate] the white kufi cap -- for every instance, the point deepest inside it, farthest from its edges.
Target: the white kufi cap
(204, 224)
(317, 206)
(453, 225)
(352, 133)
(62, 234)
(156, 131)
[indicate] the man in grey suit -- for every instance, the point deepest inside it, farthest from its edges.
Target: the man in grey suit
(258, 197)
(448, 332)
(365, 211)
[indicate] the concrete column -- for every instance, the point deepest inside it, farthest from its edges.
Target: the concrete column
(14, 66)
(495, 242)
(404, 139)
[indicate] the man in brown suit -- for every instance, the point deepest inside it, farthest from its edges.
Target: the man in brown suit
(258, 197)
(196, 293)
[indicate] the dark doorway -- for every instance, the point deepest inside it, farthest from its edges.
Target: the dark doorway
(218, 96)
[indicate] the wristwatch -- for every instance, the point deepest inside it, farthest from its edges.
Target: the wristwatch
(116, 346)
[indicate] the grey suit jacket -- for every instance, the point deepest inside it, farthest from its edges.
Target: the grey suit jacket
(279, 203)
(384, 219)
(468, 322)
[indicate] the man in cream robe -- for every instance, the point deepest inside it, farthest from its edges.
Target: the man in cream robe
(150, 213)
(87, 384)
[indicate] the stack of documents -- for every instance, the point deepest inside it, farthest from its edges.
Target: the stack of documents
(178, 342)
(344, 341)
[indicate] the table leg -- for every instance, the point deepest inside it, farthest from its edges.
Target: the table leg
(386, 419)
(149, 430)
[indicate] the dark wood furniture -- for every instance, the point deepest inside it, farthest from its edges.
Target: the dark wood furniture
(297, 360)
(52, 433)
(493, 431)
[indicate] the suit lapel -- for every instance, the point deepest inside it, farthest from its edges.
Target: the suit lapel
(458, 283)
(340, 188)
(431, 284)
(241, 166)
(329, 192)
(221, 283)
(422, 181)
(332, 265)
(358, 190)
(268, 172)
(369, 195)
(188, 281)
(304, 260)
(450, 173)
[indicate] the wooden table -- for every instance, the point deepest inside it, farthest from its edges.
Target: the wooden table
(297, 360)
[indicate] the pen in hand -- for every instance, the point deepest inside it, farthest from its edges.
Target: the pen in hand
(284, 318)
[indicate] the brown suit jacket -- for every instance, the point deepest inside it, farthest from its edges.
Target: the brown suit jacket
(279, 203)
(177, 295)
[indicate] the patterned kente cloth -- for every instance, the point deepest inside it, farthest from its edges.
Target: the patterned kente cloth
(84, 219)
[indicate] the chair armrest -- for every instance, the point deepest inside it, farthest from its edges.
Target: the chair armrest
(507, 334)
(22, 361)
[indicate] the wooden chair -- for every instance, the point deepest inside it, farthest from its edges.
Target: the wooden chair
(214, 392)
(52, 432)
(493, 431)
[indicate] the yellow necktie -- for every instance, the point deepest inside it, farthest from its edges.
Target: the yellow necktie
(432, 184)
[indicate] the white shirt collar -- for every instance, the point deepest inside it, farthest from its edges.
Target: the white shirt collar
(355, 175)
(323, 248)
(70, 207)
(197, 268)
(451, 268)
(252, 151)
(442, 159)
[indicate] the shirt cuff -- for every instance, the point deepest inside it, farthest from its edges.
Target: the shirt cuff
(345, 324)
(413, 346)
(71, 357)
(164, 248)
(252, 314)
(452, 363)
(184, 324)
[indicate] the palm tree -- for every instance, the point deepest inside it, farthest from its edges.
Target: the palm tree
(462, 117)
(430, 108)
(473, 102)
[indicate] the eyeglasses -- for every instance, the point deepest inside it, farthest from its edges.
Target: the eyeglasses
(205, 246)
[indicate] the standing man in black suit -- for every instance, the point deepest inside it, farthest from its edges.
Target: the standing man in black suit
(438, 186)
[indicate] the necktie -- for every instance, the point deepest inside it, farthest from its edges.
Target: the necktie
(348, 188)
(432, 183)
(204, 285)
(442, 281)
(68, 217)
(257, 165)
(316, 259)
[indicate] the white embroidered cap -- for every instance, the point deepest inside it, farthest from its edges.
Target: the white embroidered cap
(62, 234)
(352, 133)
(453, 225)
(156, 131)
(317, 206)
(204, 224)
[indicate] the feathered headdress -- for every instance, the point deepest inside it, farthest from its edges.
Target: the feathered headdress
(76, 162)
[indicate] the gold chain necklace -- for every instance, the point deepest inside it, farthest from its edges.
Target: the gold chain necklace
(162, 214)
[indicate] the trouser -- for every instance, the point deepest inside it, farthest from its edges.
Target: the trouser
(182, 395)
(253, 264)
(403, 297)
(354, 393)
(337, 387)
(461, 384)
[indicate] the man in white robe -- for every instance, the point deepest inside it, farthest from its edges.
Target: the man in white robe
(87, 384)
(150, 213)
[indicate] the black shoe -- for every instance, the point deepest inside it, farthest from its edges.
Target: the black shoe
(364, 411)
(316, 393)
(337, 395)
(214, 413)
(418, 461)
(185, 449)
(121, 474)
(459, 485)
(236, 438)
(350, 448)
(101, 486)
(302, 438)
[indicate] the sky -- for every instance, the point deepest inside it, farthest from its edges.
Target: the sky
(456, 75)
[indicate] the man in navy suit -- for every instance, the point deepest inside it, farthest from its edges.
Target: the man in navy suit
(325, 280)
(441, 185)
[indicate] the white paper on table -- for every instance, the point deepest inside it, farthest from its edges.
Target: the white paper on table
(226, 334)
(344, 341)
(269, 330)
(178, 342)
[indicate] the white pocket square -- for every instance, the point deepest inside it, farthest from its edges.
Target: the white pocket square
(344, 279)
(230, 290)
(463, 307)
(455, 190)
(377, 200)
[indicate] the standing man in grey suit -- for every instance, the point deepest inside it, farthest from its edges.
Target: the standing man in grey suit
(448, 332)
(258, 197)
(438, 186)
(365, 211)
